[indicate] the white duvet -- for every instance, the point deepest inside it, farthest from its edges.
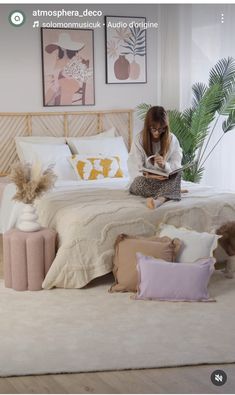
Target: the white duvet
(89, 215)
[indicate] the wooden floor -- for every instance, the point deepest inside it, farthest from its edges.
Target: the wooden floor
(184, 380)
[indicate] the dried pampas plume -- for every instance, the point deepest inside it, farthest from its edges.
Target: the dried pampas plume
(31, 181)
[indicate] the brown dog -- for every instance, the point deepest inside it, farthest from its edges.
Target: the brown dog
(227, 241)
(226, 249)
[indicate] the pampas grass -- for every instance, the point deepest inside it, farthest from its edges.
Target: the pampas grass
(31, 181)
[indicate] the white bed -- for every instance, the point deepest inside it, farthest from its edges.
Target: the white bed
(89, 215)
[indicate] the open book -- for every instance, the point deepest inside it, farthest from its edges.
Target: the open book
(162, 172)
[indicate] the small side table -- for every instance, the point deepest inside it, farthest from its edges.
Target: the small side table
(27, 257)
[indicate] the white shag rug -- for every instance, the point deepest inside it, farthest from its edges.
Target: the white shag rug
(91, 330)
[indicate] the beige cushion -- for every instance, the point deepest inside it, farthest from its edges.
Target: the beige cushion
(126, 247)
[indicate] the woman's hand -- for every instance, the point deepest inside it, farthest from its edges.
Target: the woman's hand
(158, 160)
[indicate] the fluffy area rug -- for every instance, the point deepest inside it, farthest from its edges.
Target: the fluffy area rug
(88, 329)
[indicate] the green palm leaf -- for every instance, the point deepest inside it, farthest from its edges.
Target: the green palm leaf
(229, 123)
(204, 114)
(228, 103)
(181, 130)
(193, 174)
(187, 115)
(199, 89)
(223, 73)
(142, 110)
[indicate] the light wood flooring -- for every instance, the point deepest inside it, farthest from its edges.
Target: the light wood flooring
(185, 380)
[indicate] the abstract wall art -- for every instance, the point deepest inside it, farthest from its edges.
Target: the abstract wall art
(68, 67)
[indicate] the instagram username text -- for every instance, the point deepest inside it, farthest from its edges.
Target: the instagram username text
(63, 12)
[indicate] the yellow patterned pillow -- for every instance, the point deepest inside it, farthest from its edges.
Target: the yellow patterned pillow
(96, 167)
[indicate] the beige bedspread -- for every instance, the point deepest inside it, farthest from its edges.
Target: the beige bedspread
(88, 222)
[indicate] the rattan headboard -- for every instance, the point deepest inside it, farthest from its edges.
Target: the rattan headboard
(58, 124)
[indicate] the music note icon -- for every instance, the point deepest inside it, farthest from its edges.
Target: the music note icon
(36, 24)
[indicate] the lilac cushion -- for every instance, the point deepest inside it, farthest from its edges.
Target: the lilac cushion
(162, 280)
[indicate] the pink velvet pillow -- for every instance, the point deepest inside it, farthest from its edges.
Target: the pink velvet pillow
(162, 280)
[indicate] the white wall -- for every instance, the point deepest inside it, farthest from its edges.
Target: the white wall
(169, 55)
(21, 75)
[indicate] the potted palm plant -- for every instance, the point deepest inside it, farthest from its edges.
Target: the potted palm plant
(195, 125)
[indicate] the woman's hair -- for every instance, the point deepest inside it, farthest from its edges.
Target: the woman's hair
(156, 115)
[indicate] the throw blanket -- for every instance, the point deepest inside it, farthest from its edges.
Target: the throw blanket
(88, 222)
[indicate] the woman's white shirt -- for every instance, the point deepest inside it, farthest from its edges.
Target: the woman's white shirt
(138, 159)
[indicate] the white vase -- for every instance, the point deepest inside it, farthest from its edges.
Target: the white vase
(28, 220)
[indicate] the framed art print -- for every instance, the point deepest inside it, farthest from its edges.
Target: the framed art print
(68, 67)
(125, 48)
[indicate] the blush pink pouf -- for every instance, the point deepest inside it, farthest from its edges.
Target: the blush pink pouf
(27, 257)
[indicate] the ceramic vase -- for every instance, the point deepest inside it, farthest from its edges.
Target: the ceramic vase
(122, 68)
(134, 70)
(28, 220)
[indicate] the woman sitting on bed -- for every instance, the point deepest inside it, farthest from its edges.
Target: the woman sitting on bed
(155, 139)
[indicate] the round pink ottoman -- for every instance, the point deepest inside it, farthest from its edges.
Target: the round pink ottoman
(27, 257)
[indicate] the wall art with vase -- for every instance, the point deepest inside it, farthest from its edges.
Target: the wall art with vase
(125, 49)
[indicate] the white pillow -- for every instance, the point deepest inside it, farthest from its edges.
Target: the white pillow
(36, 140)
(110, 146)
(50, 153)
(74, 141)
(194, 246)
